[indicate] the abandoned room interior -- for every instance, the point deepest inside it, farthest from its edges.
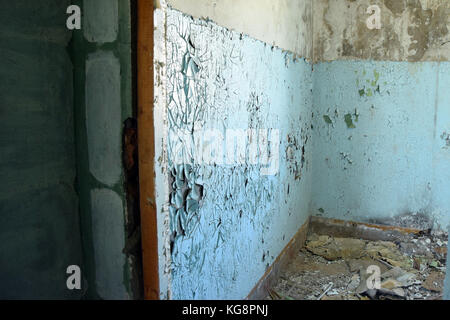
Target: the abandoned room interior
(224, 149)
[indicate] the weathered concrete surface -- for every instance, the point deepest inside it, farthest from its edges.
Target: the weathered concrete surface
(101, 20)
(103, 101)
(103, 116)
(220, 241)
(284, 23)
(411, 30)
(39, 225)
(107, 228)
(379, 148)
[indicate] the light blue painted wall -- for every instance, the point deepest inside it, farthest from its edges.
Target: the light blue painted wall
(224, 239)
(359, 140)
(396, 160)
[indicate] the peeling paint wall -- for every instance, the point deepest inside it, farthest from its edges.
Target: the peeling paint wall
(162, 192)
(376, 129)
(382, 117)
(225, 223)
(382, 120)
(283, 23)
(383, 153)
(411, 30)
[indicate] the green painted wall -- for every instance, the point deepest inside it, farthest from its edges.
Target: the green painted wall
(39, 220)
(64, 98)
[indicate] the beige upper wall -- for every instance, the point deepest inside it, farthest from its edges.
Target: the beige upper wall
(283, 23)
(412, 30)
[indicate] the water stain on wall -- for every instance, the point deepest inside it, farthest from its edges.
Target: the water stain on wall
(413, 30)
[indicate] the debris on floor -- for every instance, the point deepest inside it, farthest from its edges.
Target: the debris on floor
(333, 268)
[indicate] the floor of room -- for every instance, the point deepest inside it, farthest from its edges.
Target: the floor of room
(411, 265)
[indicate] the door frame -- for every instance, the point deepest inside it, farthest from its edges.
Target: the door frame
(146, 147)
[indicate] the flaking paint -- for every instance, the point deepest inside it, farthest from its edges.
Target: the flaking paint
(218, 79)
(398, 161)
(377, 136)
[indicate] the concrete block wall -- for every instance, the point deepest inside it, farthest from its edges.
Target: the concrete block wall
(39, 221)
(65, 96)
(103, 101)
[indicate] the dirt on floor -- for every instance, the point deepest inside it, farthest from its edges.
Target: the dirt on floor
(329, 268)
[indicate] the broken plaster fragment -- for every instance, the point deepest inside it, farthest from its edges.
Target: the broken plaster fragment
(391, 284)
(336, 248)
(434, 282)
(388, 252)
